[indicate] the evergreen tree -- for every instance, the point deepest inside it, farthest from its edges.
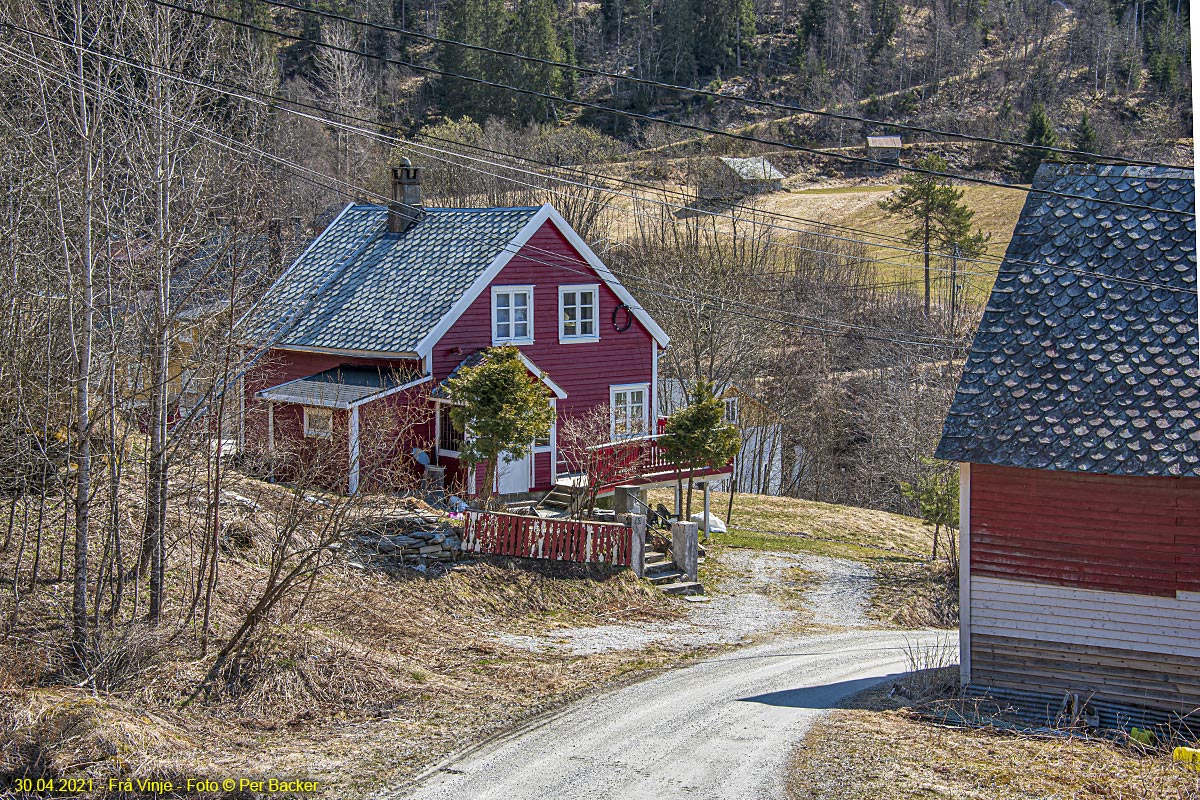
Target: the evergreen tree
(813, 22)
(503, 408)
(1038, 132)
(532, 32)
(724, 30)
(677, 51)
(478, 22)
(698, 435)
(1083, 139)
(940, 218)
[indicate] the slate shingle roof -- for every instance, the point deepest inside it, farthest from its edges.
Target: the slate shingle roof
(361, 288)
(339, 387)
(1089, 374)
(756, 168)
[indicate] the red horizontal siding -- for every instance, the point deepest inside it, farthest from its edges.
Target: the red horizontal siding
(584, 371)
(1124, 534)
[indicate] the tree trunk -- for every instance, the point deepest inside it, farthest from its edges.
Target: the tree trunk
(83, 390)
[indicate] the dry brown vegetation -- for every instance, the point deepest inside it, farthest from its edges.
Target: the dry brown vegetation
(328, 690)
(897, 755)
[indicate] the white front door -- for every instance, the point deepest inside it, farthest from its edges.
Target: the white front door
(514, 477)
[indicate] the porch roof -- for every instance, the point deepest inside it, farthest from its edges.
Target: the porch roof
(342, 386)
(441, 392)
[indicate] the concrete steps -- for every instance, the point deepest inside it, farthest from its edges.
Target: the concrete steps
(661, 571)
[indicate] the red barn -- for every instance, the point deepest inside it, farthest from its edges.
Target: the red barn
(1077, 426)
(389, 300)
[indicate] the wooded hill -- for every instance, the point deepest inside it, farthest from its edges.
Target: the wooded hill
(964, 65)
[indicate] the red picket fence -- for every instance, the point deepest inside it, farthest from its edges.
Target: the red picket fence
(501, 534)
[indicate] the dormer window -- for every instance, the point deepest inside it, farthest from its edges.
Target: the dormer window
(512, 315)
(577, 309)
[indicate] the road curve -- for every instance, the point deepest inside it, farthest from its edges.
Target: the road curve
(721, 728)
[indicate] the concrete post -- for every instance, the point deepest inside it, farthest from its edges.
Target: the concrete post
(637, 551)
(707, 533)
(685, 549)
(625, 500)
(433, 484)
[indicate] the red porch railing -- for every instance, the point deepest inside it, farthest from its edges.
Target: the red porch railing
(554, 539)
(639, 461)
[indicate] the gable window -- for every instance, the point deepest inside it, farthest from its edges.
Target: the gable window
(731, 410)
(577, 309)
(318, 422)
(512, 315)
(629, 410)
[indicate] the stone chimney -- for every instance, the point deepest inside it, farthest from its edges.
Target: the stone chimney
(405, 208)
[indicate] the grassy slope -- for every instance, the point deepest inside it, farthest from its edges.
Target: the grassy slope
(825, 527)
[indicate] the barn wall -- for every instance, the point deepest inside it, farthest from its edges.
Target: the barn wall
(1085, 583)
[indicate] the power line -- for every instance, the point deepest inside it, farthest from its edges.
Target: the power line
(385, 137)
(648, 118)
(721, 303)
(708, 92)
(244, 91)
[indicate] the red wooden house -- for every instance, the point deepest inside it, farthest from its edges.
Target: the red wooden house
(390, 300)
(1077, 426)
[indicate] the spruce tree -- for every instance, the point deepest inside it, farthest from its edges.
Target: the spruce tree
(1083, 140)
(533, 33)
(677, 59)
(1038, 132)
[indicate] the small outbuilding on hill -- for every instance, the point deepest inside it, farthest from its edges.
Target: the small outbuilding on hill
(726, 178)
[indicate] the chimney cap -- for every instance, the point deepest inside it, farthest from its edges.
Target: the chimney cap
(404, 162)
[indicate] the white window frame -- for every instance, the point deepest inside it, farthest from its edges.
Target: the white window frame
(312, 432)
(512, 290)
(594, 336)
(731, 409)
(613, 391)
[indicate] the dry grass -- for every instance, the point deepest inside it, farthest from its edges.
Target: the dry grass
(915, 594)
(849, 525)
(895, 755)
(373, 678)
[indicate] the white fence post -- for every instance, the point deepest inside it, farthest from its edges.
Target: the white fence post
(685, 549)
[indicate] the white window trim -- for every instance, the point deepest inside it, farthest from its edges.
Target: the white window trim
(731, 403)
(552, 437)
(563, 338)
(528, 288)
(311, 433)
(612, 404)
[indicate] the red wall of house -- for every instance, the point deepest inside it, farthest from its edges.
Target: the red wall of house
(379, 459)
(1138, 535)
(584, 371)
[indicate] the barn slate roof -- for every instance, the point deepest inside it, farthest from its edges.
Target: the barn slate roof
(755, 168)
(358, 287)
(1073, 369)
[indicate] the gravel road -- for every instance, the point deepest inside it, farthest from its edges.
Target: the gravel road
(720, 728)
(745, 608)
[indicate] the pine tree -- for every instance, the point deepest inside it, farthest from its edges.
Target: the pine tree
(677, 52)
(1038, 132)
(940, 218)
(1083, 140)
(724, 29)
